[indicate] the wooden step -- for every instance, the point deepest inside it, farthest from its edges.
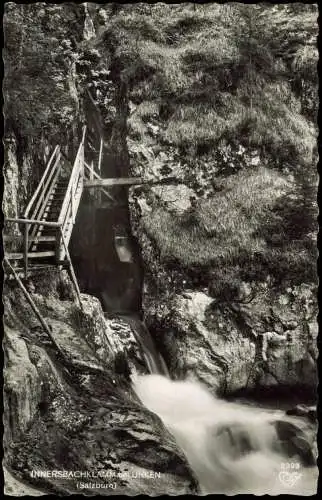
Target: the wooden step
(119, 181)
(59, 198)
(20, 271)
(55, 206)
(31, 255)
(54, 210)
(37, 267)
(48, 231)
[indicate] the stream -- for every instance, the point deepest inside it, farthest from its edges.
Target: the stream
(233, 448)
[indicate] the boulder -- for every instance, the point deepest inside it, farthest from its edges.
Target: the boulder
(73, 409)
(228, 346)
(308, 412)
(293, 442)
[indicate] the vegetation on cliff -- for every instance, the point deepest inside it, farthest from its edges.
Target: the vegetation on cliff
(220, 101)
(221, 97)
(231, 91)
(221, 73)
(41, 46)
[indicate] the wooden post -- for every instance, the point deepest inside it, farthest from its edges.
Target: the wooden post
(33, 305)
(82, 156)
(26, 248)
(91, 175)
(99, 167)
(71, 270)
(58, 252)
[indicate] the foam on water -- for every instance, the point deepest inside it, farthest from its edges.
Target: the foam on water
(229, 446)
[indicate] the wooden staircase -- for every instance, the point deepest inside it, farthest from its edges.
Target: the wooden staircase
(40, 238)
(42, 234)
(45, 241)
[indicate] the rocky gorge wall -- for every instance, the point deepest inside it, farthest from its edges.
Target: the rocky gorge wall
(74, 407)
(80, 392)
(262, 339)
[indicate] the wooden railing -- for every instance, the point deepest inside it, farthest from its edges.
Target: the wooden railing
(33, 222)
(27, 239)
(71, 201)
(38, 200)
(36, 207)
(25, 255)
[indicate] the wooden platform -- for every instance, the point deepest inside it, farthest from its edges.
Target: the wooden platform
(119, 181)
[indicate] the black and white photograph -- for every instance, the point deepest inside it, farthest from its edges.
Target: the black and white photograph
(159, 248)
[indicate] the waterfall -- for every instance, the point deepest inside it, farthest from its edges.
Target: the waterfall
(154, 360)
(232, 448)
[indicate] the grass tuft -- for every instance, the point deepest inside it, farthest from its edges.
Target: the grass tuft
(242, 230)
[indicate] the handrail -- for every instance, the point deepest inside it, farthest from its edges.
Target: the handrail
(48, 185)
(36, 193)
(32, 220)
(46, 192)
(73, 181)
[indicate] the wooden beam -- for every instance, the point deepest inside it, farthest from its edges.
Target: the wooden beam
(71, 269)
(100, 157)
(26, 248)
(17, 238)
(120, 181)
(32, 304)
(95, 175)
(33, 221)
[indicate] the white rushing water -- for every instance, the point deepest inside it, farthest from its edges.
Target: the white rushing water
(229, 446)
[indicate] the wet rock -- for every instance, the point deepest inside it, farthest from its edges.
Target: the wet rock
(236, 440)
(22, 386)
(70, 410)
(201, 344)
(177, 198)
(294, 442)
(228, 345)
(303, 411)
(13, 487)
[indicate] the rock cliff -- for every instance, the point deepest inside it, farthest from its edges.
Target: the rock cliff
(226, 234)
